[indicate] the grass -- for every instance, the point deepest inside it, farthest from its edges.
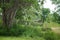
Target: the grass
(54, 26)
(20, 38)
(51, 24)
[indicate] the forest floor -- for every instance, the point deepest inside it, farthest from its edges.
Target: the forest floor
(56, 29)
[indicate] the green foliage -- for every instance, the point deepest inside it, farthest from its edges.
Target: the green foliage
(55, 1)
(29, 10)
(29, 31)
(32, 32)
(49, 35)
(0, 10)
(57, 9)
(16, 30)
(56, 17)
(21, 3)
(46, 33)
(45, 13)
(19, 14)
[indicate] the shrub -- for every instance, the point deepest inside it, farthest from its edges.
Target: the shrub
(16, 30)
(22, 30)
(49, 35)
(35, 31)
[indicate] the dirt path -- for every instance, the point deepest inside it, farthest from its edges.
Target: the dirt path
(56, 29)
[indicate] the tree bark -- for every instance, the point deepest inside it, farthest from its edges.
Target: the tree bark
(9, 14)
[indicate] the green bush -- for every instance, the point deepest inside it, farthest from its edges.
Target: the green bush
(22, 30)
(49, 35)
(45, 33)
(31, 32)
(35, 31)
(16, 30)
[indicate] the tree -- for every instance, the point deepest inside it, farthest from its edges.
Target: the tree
(57, 10)
(45, 13)
(57, 3)
(56, 17)
(9, 12)
(11, 6)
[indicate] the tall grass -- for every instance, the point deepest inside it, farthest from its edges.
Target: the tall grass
(51, 24)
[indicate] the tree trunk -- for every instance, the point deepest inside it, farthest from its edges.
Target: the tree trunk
(9, 14)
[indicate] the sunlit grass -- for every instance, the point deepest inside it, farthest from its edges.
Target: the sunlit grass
(20, 38)
(51, 24)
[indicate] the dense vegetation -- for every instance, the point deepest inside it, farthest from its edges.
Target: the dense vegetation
(28, 20)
